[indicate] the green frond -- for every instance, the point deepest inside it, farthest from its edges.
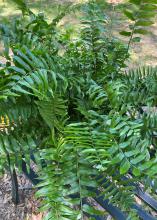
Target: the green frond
(97, 94)
(141, 14)
(67, 179)
(53, 111)
(18, 149)
(22, 6)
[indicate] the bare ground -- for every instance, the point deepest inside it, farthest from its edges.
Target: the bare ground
(27, 209)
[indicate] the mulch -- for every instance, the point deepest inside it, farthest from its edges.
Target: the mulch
(27, 208)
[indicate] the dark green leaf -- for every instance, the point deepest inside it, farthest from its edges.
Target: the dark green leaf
(124, 167)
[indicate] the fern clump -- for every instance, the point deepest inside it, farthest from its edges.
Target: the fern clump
(72, 104)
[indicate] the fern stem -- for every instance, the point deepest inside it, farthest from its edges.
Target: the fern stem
(80, 188)
(96, 153)
(56, 211)
(53, 136)
(131, 37)
(133, 30)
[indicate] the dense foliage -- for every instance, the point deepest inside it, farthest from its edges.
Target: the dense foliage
(70, 102)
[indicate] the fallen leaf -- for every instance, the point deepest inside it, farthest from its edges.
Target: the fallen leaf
(37, 217)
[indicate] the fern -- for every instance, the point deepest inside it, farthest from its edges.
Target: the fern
(22, 6)
(70, 173)
(17, 149)
(141, 14)
(54, 112)
(71, 102)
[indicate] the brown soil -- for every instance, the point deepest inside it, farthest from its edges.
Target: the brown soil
(27, 209)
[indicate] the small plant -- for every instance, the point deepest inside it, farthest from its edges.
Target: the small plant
(72, 104)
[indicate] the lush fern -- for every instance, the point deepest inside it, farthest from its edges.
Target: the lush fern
(141, 13)
(72, 103)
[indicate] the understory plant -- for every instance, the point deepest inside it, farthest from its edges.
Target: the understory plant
(67, 99)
